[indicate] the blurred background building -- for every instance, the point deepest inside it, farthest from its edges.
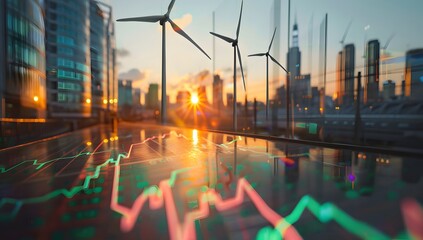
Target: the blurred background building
(22, 59)
(57, 59)
(68, 58)
(414, 74)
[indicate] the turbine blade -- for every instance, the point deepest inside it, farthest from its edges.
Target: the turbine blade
(274, 60)
(141, 19)
(257, 55)
(170, 6)
(242, 69)
(271, 43)
(177, 29)
(239, 21)
(227, 39)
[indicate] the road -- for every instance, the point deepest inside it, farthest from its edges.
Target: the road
(155, 182)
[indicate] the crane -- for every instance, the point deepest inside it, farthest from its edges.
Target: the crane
(345, 34)
(385, 54)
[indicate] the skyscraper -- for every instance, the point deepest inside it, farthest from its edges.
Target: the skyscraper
(217, 93)
(202, 95)
(136, 97)
(371, 87)
(22, 59)
(98, 60)
(125, 93)
(68, 58)
(340, 82)
(183, 97)
(294, 55)
(294, 65)
(302, 90)
(345, 67)
(152, 97)
(414, 74)
(229, 100)
(349, 69)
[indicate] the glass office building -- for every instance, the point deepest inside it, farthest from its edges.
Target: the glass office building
(22, 64)
(68, 58)
(98, 60)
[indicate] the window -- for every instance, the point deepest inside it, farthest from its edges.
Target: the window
(65, 40)
(66, 51)
(65, 74)
(65, 63)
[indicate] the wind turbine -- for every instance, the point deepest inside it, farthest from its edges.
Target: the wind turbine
(267, 54)
(234, 43)
(163, 19)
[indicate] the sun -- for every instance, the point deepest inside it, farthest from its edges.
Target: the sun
(194, 99)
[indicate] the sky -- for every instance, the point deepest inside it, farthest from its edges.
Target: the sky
(139, 44)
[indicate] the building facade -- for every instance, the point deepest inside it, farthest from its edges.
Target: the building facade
(98, 61)
(152, 97)
(348, 66)
(414, 74)
(202, 95)
(68, 58)
(183, 98)
(22, 59)
(125, 93)
(294, 56)
(388, 90)
(371, 86)
(217, 93)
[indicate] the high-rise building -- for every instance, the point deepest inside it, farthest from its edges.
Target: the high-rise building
(414, 74)
(294, 56)
(98, 60)
(136, 97)
(183, 97)
(81, 59)
(202, 95)
(340, 81)
(388, 90)
(294, 65)
(345, 67)
(125, 93)
(302, 90)
(22, 59)
(229, 100)
(371, 87)
(217, 93)
(348, 66)
(152, 97)
(68, 58)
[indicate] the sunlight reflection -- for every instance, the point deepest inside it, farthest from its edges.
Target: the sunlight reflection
(195, 137)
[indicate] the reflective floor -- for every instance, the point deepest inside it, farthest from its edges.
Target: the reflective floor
(154, 182)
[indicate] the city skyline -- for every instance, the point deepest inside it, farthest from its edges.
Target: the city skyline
(199, 16)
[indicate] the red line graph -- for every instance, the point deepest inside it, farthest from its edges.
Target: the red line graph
(162, 195)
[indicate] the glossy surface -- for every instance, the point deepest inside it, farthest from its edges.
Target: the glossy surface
(152, 182)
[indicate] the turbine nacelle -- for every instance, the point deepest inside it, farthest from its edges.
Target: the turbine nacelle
(162, 19)
(234, 43)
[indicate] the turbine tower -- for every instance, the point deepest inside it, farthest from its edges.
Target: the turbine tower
(163, 19)
(234, 43)
(267, 54)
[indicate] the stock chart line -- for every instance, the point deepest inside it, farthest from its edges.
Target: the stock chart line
(68, 193)
(327, 212)
(162, 196)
